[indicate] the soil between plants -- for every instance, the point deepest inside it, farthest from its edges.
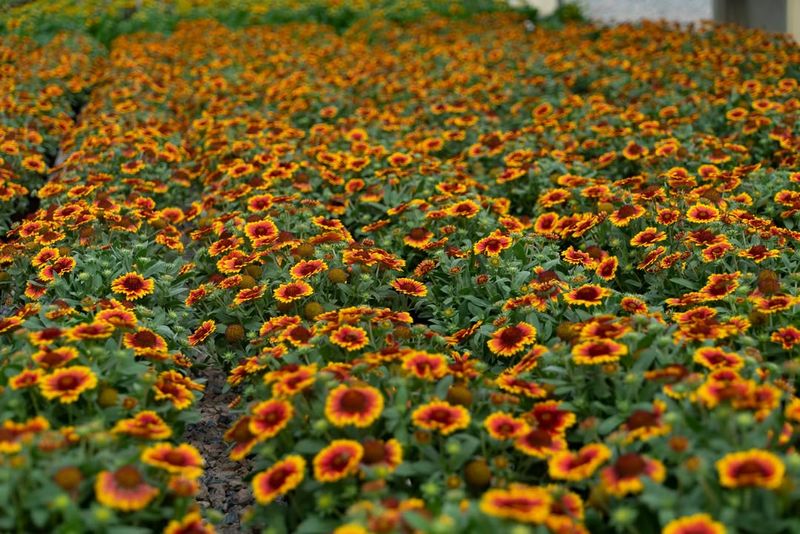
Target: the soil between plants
(222, 486)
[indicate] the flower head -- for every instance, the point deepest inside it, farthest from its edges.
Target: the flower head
(279, 479)
(183, 459)
(409, 286)
(124, 489)
(753, 468)
(358, 406)
(338, 460)
(694, 524)
(518, 502)
(441, 416)
(510, 340)
(66, 384)
(133, 286)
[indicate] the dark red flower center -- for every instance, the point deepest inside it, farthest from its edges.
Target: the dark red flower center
(598, 349)
(630, 465)
(751, 468)
(587, 293)
(175, 458)
(133, 283)
(418, 234)
(441, 415)
(374, 452)
(350, 337)
(538, 438)
(49, 333)
(512, 336)
(278, 477)
(353, 401)
(292, 291)
(145, 339)
(340, 461)
(547, 276)
(67, 382)
(641, 419)
(127, 477)
(241, 432)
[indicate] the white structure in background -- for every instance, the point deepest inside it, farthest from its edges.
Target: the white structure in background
(544, 7)
(771, 15)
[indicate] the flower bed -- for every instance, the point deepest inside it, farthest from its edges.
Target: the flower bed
(462, 274)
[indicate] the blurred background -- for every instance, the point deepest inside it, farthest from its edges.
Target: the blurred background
(771, 15)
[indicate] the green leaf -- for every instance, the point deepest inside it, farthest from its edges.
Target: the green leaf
(315, 525)
(309, 446)
(610, 424)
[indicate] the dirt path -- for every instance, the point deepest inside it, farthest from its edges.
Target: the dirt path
(223, 487)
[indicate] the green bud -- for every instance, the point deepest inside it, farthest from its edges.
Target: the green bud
(623, 516)
(102, 514)
(453, 447)
(61, 502)
(745, 419)
(326, 501)
(430, 489)
(320, 426)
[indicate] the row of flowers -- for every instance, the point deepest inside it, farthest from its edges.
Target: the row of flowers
(457, 285)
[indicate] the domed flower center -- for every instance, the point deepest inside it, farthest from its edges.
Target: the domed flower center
(127, 477)
(538, 438)
(67, 382)
(175, 458)
(641, 419)
(354, 401)
(750, 468)
(278, 477)
(630, 465)
(374, 452)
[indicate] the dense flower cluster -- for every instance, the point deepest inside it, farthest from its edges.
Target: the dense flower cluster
(462, 274)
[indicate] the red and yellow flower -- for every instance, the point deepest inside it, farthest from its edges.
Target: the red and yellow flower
(67, 384)
(578, 465)
(787, 336)
(493, 244)
(598, 351)
(281, 478)
(133, 285)
(269, 417)
(292, 291)
(540, 443)
(192, 523)
(124, 489)
(144, 340)
(702, 213)
(694, 524)
(307, 268)
(587, 295)
(425, 365)
(385, 456)
(625, 475)
(527, 504)
(441, 416)
(338, 460)
(202, 332)
(503, 426)
(359, 406)
(752, 468)
(510, 340)
(183, 459)
(409, 286)
(350, 338)
(146, 424)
